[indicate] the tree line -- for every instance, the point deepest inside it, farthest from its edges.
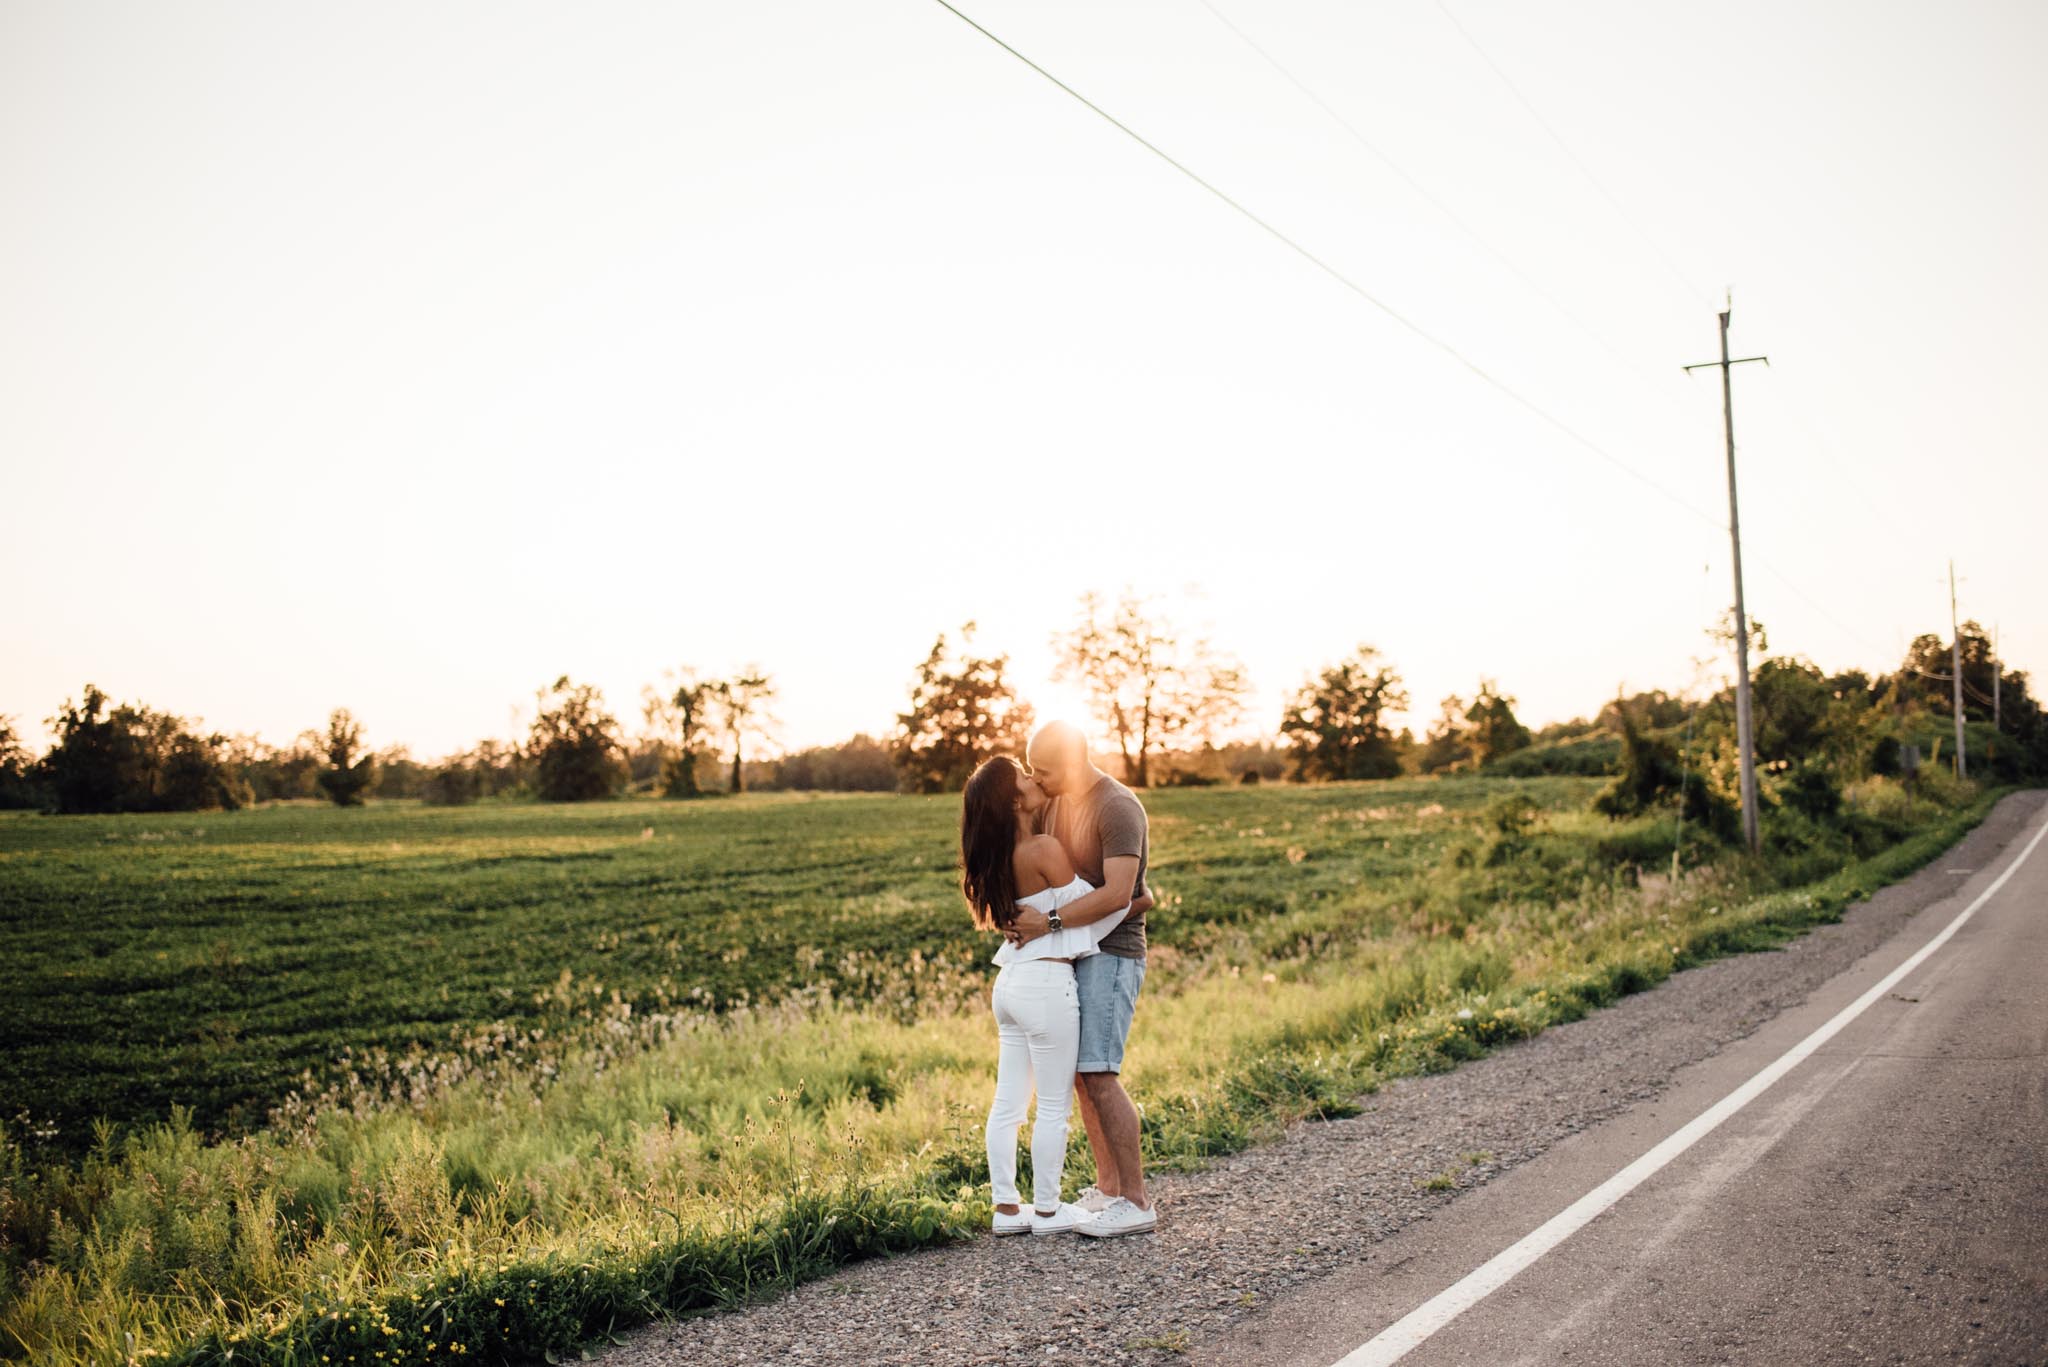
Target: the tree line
(1169, 702)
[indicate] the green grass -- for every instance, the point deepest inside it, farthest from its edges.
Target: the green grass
(559, 1159)
(209, 960)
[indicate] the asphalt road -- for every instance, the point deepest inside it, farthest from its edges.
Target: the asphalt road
(1886, 1201)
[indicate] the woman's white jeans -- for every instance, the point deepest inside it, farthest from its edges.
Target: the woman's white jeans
(1038, 1019)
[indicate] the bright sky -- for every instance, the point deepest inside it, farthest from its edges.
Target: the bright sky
(404, 357)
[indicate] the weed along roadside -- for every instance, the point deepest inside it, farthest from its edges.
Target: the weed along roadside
(538, 1182)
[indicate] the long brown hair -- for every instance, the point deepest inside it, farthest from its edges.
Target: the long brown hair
(988, 843)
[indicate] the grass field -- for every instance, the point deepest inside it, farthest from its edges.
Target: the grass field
(209, 960)
(619, 1059)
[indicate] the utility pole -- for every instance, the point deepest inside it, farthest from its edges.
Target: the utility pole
(1955, 669)
(1997, 676)
(1744, 741)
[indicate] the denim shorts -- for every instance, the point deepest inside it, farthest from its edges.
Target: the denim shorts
(1108, 986)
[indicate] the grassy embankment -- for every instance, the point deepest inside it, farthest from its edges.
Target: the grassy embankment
(586, 1150)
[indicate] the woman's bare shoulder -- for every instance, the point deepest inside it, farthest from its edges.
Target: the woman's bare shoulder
(1050, 858)
(1029, 861)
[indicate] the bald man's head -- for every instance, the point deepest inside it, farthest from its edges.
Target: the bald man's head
(1058, 756)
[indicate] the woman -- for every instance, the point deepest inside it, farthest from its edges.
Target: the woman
(1038, 1017)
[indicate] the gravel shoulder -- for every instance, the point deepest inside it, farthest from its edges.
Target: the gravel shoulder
(1276, 1220)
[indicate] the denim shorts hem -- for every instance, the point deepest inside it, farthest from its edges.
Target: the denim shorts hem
(1107, 986)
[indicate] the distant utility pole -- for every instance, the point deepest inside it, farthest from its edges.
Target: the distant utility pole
(1745, 743)
(1955, 669)
(1997, 676)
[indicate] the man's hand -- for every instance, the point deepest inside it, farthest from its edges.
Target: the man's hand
(1142, 903)
(1029, 925)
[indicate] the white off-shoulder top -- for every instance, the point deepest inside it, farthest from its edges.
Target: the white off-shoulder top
(1075, 942)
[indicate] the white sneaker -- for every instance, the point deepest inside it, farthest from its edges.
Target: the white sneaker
(1002, 1224)
(1093, 1201)
(1120, 1218)
(1068, 1217)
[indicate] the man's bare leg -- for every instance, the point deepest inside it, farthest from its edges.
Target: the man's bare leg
(1119, 1121)
(1098, 1142)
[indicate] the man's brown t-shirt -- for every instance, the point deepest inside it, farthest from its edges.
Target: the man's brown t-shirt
(1102, 823)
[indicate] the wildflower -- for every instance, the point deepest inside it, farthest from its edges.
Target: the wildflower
(1465, 1013)
(498, 1299)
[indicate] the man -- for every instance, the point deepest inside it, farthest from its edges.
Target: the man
(1101, 824)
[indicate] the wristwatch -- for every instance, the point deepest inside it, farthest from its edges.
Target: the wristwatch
(1052, 922)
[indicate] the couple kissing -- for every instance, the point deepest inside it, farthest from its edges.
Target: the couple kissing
(1053, 854)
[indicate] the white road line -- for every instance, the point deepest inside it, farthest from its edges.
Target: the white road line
(1406, 1334)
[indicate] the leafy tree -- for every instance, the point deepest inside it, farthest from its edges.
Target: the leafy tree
(500, 767)
(1723, 634)
(574, 744)
(2020, 749)
(1654, 709)
(1853, 685)
(18, 786)
(399, 775)
(962, 711)
(1655, 772)
(1791, 708)
(679, 721)
(1148, 687)
(741, 704)
(93, 765)
(1473, 733)
(1336, 724)
(132, 759)
(1447, 744)
(1926, 675)
(350, 769)
(452, 783)
(275, 773)
(1490, 721)
(198, 776)
(859, 765)
(1652, 770)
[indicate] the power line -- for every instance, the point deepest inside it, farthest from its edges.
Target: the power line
(1412, 183)
(1411, 326)
(1415, 185)
(1692, 293)
(1346, 281)
(1363, 141)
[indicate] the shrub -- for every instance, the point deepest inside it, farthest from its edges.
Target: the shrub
(453, 784)
(1813, 791)
(1585, 755)
(575, 745)
(350, 773)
